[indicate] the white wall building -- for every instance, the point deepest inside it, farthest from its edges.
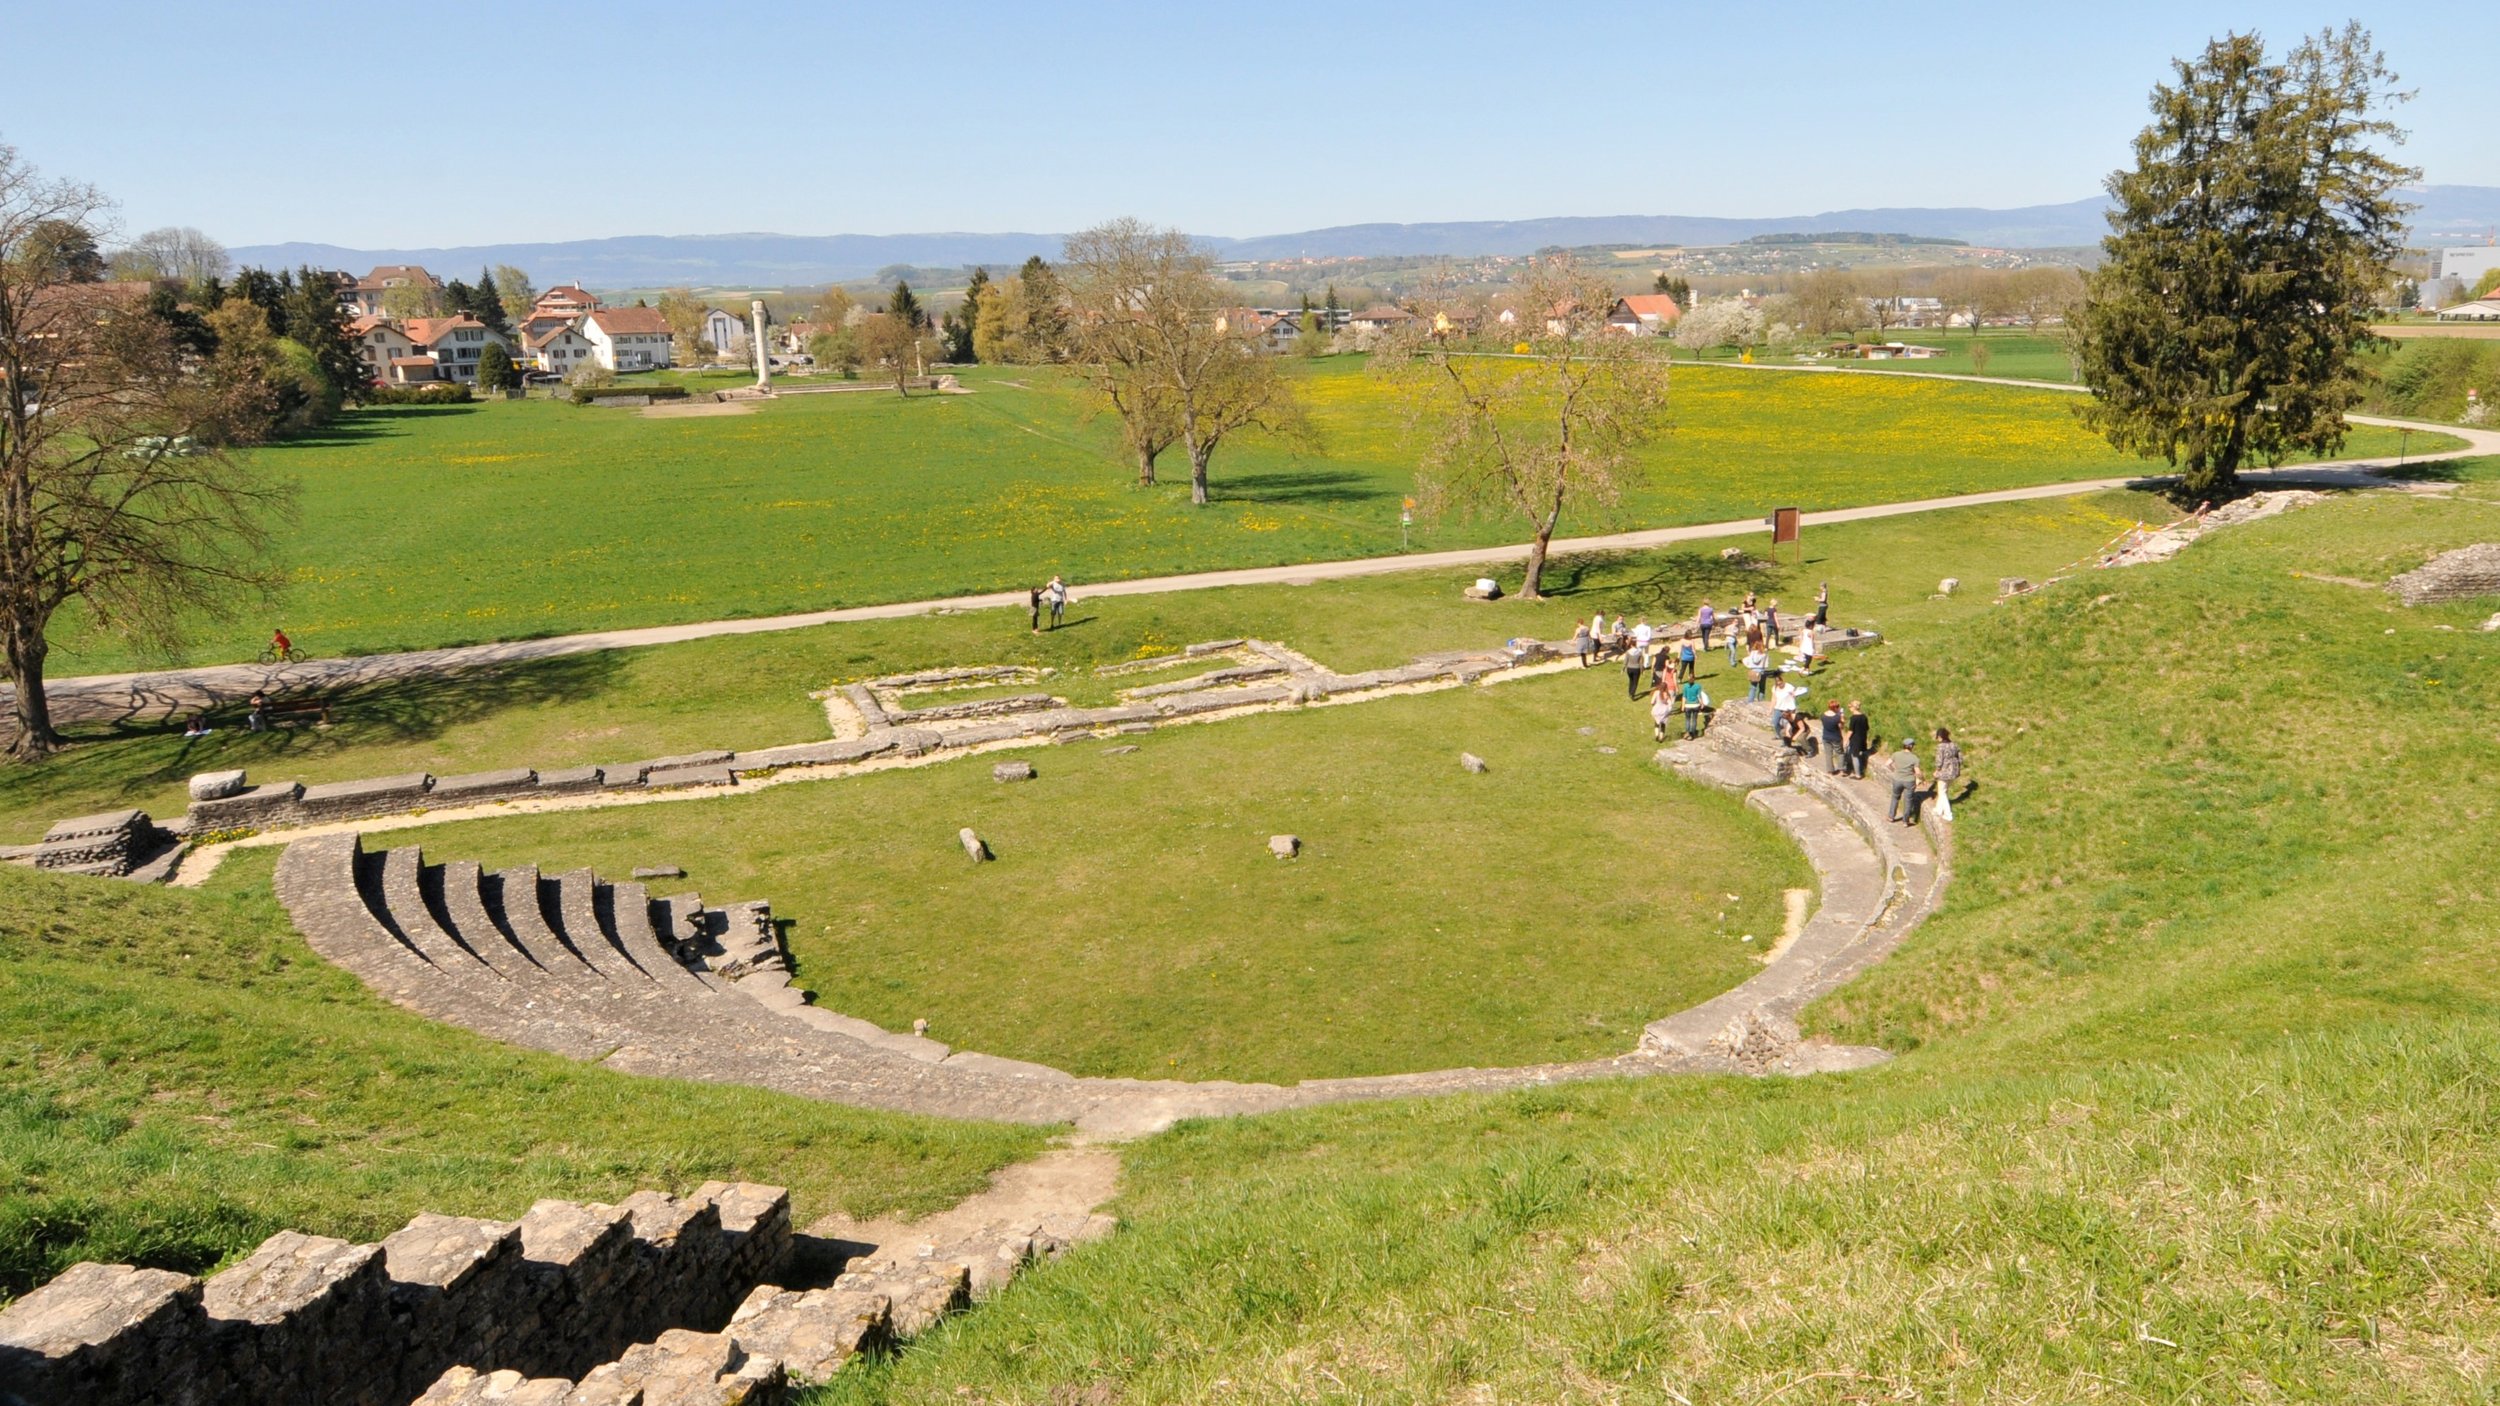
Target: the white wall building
(2466, 265)
(629, 339)
(726, 331)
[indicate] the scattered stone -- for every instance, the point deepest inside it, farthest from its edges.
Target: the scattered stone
(1120, 751)
(2492, 624)
(1012, 771)
(1211, 647)
(1948, 585)
(1284, 846)
(1731, 554)
(974, 846)
(1471, 762)
(2013, 585)
(660, 871)
(1605, 751)
(920, 1026)
(217, 785)
(1588, 732)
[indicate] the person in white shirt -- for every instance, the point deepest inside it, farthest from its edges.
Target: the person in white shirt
(1642, 635)
(1756, 662)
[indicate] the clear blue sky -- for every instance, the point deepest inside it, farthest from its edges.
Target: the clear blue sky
(375, 126)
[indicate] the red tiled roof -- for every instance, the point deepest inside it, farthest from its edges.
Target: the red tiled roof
(426, 331)
(1657, 305)
(629, 321)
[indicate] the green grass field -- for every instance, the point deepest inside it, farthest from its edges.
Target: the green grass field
(2012, 353)
(1135, 924)
(2197, 1104)
(181, 1078)
(429, 526)
(752, 691)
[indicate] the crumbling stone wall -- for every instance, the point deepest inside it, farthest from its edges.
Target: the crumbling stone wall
(319, 1321)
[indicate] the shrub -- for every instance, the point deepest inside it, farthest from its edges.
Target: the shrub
(495, 371)
(429, 393)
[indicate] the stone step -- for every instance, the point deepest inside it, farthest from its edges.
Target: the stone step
(515, 899)
(400, 901)
(576, 912)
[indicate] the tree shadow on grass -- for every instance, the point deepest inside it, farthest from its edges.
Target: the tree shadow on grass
(364, 427)
(1336, 487)
(128, 759)
(1662, 584)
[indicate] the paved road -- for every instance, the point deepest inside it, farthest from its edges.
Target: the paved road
(130, 697)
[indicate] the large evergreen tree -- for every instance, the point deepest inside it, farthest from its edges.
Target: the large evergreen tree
(966, 316)
(313, 316)
(2246, 252)
(905, 304)
(1045, 310)
(486, 302)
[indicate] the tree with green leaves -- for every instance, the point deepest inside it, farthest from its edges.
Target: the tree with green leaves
(2483, 285)
(67, 249)
(458, 299)
(965, 320)
(1045, 328)
(313, 318)
(495, 371)
(512, 288)
(2248, 245)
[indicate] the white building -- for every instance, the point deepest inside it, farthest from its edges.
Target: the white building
(2483, 309)
(2465, 265)
(379, 343)
(560, 348)
(726, 331)
(455, 343)
(629, 339)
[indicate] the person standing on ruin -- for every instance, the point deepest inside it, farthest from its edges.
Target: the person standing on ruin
(1948, 772)
(1583, 643)
(1834, 741)
(1858, 740)
(1823, 603)
(1904, 781)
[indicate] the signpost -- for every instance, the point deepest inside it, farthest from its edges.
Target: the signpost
(1406, 519)
(1785, 525)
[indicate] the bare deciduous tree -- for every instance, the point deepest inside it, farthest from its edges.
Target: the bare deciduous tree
(1828, 301)
(113, 490)
(1525, 436)
(180, 253)
(896, 342)
(1149, 322)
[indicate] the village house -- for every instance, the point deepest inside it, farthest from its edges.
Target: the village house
(565, 300)
(454, 344)
(1378, 318)
(379, 344)
(629, 339)
(363, 297)
(560, 348)
(1644, 315)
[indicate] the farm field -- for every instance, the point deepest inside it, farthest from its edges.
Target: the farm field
(2018, 355)
(431, 526)
(2195, 1086)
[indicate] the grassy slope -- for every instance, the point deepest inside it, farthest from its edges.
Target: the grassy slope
(2199, 1103)
(500, 520)
(179, 1078)
(1135, 924)
(751, 691)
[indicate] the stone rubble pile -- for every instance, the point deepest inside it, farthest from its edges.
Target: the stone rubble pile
(2462, 574)
(119, 844)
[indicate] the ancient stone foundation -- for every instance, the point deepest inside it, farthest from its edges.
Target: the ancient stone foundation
(2462, 574)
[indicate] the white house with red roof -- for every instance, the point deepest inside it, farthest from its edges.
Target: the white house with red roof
(565, 300)
(560, 348)
(364, 296)
(1644, 314)
(455, 343)
(629, 339)
(379, 342)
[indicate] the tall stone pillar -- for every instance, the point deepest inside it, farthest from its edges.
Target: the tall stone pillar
(763, 349)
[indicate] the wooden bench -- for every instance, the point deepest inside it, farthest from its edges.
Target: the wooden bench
(289, 709)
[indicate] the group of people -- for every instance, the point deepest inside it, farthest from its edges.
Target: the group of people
(1053, 597)
(1665, 663)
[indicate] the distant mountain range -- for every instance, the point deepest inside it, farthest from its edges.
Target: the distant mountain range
(2448, 214)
